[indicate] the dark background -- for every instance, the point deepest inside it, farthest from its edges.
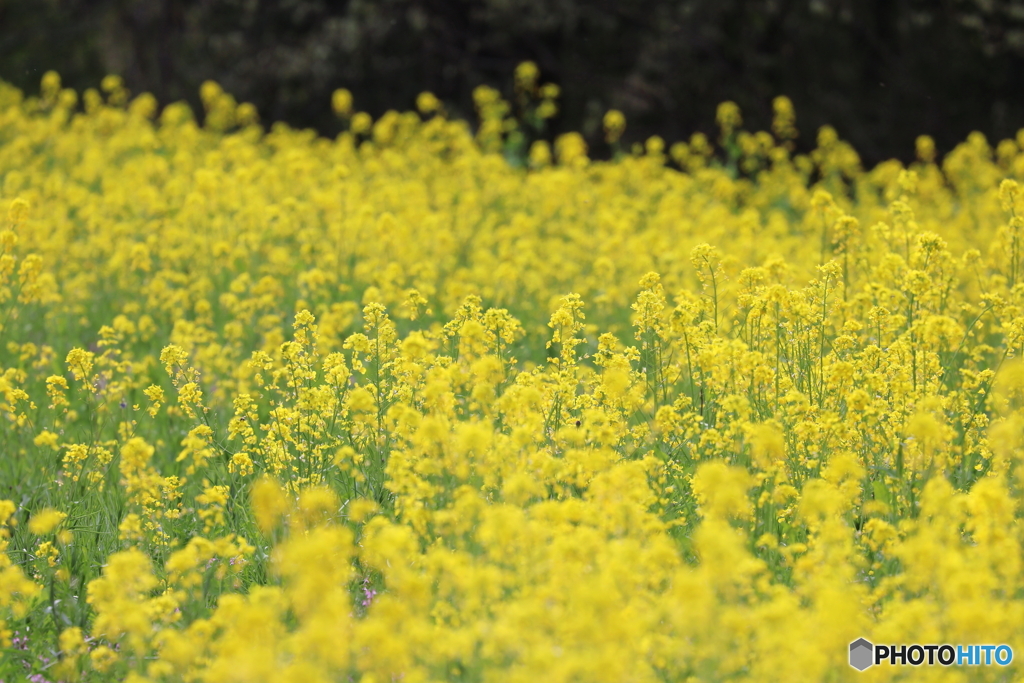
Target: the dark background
(880, 71)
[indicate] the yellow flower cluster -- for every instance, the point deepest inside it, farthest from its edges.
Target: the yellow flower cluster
(389, 407)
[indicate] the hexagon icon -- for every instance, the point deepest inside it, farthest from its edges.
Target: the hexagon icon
(861, 654)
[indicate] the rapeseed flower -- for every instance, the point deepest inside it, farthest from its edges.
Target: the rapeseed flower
(420, 402)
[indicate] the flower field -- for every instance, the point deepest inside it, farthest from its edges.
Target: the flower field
(430, 402)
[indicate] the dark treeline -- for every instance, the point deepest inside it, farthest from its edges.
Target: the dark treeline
(880, 71)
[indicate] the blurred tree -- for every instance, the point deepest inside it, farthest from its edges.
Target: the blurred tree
(880, 71)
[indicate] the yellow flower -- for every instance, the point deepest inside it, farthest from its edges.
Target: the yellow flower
(540, 154)
(72, 642)
(47, 439)
(341, 102)
(784, 119)
(361, 123)
(112, 82)
(721, 490)
(360, 510)
(526, 76)
(768, 445)
(80, 363)
(925, 148)
(728, 117)
(571, 150)
(45, 521)
(789, 414)
(17, 211)
(103, 658)
(269, 504)
(614, 125)
(427, 103)
(7, 510)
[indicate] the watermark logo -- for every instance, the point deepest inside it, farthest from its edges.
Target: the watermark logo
(861, 654)
(865, 654)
